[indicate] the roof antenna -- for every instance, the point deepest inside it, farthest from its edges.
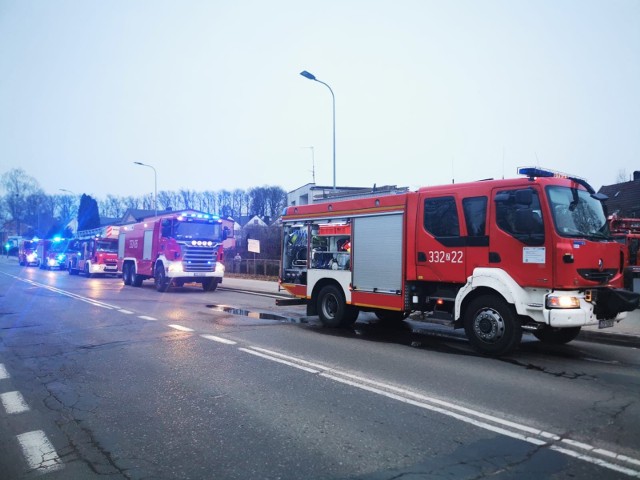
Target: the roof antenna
(313, 164)
(503, 163)
(453, 176)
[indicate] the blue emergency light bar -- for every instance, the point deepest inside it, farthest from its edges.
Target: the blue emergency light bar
(204, 216)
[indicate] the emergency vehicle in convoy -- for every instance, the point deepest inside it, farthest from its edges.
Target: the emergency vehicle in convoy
(494, 257)
(627, 232)
(173, 249)
(95, 252)
(52, 253)
(27, 252)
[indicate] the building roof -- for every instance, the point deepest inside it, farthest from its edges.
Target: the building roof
(624, 198)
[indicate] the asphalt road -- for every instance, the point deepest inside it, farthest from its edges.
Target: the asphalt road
(98, 380)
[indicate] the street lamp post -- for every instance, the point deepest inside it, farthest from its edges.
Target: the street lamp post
(311, 76)
(155, 185)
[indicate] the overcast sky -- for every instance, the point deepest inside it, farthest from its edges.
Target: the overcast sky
(209, 92)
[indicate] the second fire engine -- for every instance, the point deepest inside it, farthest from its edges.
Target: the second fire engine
(173, 249)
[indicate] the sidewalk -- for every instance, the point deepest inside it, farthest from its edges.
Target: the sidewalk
(624, 333)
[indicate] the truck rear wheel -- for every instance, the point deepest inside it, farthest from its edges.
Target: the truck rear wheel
(136, 280)
(126, 274)
(333, 309)
(491, 325)
(86, 270)
(556, 336)
(209, 284)
(160, 278)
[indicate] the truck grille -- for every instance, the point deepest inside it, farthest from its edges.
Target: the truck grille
(595, 275)
(199, 258)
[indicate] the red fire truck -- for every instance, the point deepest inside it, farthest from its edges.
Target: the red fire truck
(173, 250)
(627, 232)
(27, 254)
(95, 252)
(493, 257)
(52, 253)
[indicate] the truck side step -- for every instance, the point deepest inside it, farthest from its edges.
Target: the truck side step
(290, 301)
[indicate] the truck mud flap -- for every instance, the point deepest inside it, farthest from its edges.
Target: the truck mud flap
(612, 301)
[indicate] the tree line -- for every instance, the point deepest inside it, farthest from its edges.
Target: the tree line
(36, 213)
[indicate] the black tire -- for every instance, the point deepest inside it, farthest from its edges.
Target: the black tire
(333, 309)
(126, 274)
(87, 273)
(556, 336)
(136, 280)
(209, 284)
(160, 279)
(491, 325)
(72, 270)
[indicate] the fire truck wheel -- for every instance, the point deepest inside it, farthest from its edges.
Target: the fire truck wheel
(333, 309)
(72, 271)
(126, 274)
(491, 325)
(136, 280)
(161, 280)
(209, 284)
(556, 336)
(86, 271)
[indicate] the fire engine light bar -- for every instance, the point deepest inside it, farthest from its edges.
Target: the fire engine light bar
(562, 301)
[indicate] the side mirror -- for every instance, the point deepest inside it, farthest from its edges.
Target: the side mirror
(225, 233)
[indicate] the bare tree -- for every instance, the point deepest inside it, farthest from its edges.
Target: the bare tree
(276, 199)
(112, 207)
(622, 176)
(18, 186)
(188, 198)
(224, 203)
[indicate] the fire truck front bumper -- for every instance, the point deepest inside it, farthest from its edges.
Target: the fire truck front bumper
(597, 307)
(176, 270)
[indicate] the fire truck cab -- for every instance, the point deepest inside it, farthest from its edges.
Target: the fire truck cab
(173, 250)
(493, 257)
(52, 253)
(95, 252)
(27, 252)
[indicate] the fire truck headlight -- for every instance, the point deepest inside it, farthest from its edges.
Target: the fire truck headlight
(32, 257)
(219, 267)
(175, 268)
(562, 301)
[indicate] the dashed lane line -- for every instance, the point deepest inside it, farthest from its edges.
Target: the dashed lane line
(219, 339)
(39, 452)
(145, 317)
(181, 328)
(13, 402)
(3, 372)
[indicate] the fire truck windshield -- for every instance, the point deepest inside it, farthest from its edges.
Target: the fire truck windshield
(197, 231)
(577, 214)
(109, 247)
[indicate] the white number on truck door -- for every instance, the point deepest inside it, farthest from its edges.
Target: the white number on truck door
(440, 256)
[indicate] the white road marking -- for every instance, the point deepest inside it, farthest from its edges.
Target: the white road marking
(128, 312)
(144, 317)
(274, 359)
(3, 372)
(181, 328)
(13, 402)
(39, 452)
(488, 422)
(218, 339)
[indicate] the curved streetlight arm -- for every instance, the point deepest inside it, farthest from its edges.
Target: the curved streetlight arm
(311, 76)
